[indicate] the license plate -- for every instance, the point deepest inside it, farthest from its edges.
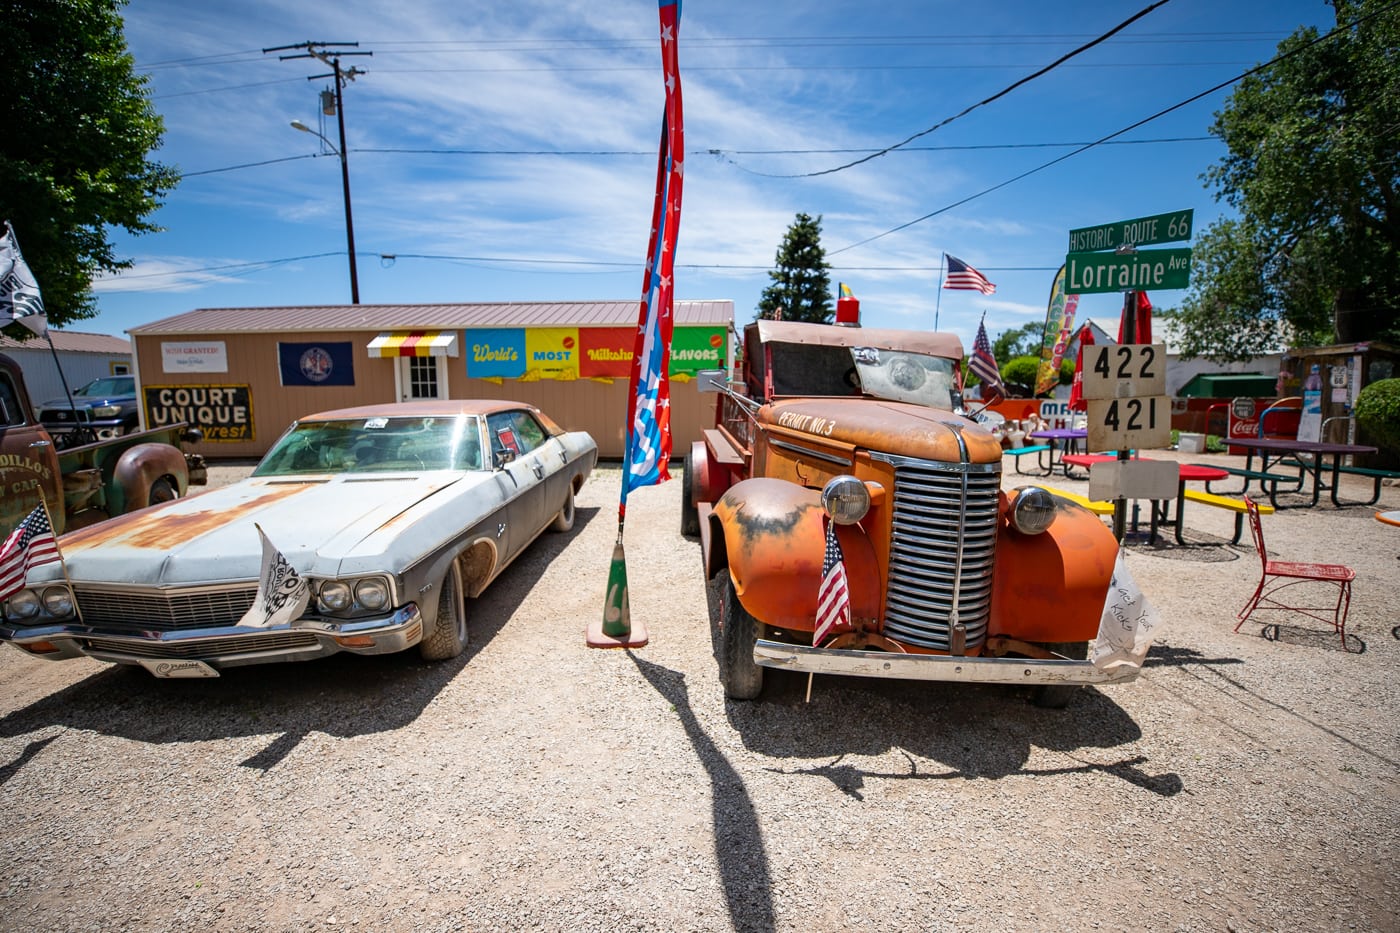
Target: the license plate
(172, 669)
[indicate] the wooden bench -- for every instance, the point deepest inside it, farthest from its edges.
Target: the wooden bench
(1228, 503)
(1376, 474)
(1038, 450)
(1100, 507)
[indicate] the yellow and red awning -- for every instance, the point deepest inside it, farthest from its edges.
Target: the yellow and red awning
(414, 343)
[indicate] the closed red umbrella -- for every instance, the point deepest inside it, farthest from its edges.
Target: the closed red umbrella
(1142, 319)
(1076, 388)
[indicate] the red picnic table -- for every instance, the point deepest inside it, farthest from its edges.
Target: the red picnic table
(1185, 473)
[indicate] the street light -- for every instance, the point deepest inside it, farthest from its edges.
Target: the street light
(345, 183)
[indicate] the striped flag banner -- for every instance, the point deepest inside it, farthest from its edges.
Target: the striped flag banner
(833, 594)
(31, 544)
(963, 276)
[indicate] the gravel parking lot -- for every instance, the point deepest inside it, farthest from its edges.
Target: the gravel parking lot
(1242, 783)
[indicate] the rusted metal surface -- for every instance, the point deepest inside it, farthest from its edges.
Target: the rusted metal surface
(935, 667)
(910, 430)
(914, 341)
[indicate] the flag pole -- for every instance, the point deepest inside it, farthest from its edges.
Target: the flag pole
(938, 299)
(48, 517)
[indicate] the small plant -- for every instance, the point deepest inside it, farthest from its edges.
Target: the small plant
(1378, 414)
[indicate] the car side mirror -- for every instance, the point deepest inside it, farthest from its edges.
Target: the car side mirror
(504, 456)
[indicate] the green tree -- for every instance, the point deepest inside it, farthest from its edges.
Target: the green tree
(78, 130)
(1019, 341)
(1313, 169)
(801, 289)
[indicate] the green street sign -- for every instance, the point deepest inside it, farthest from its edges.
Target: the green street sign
(1147, 270)
(1143, 231)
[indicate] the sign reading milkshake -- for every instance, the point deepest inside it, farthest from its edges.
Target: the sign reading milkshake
(223, 412)
(566, 353)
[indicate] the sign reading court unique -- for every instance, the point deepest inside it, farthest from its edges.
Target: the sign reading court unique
(223, 412)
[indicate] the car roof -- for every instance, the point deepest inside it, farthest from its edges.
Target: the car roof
(439, 408)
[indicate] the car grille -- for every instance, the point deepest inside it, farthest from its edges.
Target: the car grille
(163, 611)
(203, 647)
(944, 542)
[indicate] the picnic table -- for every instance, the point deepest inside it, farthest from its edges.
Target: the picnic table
(1308, 455)
(1186, 473)
(1069, 440)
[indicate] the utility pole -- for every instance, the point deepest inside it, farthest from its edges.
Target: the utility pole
(318, 51)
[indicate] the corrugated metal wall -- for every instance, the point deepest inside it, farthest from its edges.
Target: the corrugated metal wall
(595, 407)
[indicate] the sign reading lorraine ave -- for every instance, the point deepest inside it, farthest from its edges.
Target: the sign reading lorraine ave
(1152, 270)
(1141, 231)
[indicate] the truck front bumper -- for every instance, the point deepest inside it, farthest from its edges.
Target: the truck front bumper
(935, 666)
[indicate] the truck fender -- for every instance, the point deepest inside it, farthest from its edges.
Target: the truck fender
(772, 542)
(1051, 587)
(139, 467)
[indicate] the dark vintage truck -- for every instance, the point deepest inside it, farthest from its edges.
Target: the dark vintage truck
(86, 483)
(950, 578)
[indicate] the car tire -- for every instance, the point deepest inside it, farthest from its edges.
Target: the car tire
(564, 521)
(1058, 696)
(162, 490)
(690, 518)
(450, 635)
(741, 677)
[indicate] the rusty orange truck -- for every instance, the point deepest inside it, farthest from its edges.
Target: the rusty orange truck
(950, 578)
(87, 483)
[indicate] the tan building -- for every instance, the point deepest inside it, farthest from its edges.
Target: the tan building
(244, 374)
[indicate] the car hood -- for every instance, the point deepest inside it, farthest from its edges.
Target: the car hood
(322, 526)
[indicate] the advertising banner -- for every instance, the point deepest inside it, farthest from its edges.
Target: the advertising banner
(223, 412)
(1059, 329)
(551, 353)
(606, 352)
(696, 348)
(194, 356)
(317, 364)
(495, 352)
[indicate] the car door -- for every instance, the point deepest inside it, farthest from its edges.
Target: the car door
(520, 477)
(547, 459)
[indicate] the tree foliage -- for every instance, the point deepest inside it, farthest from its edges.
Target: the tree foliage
(1019, 341)
(78, 130)
(1313, 169)
(801, 287)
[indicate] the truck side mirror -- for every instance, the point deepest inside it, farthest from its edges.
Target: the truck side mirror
(711, 381)
(192, 435)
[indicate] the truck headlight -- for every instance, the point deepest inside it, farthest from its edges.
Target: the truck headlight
(106, 411)
(22, 605)
(846, 500)
(58, 601)
(1032, 510)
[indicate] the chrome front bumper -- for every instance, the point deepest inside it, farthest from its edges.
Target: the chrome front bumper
(224, 646)
(934, 666)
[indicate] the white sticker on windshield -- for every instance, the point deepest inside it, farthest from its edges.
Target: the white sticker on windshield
(376, 422)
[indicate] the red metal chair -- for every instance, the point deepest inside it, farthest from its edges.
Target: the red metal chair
(1280, 574)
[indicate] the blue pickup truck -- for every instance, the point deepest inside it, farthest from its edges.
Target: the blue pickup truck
(102, 409)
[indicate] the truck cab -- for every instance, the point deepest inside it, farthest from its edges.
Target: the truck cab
(860, 432)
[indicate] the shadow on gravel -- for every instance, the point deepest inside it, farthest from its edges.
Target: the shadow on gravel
(343, 695)
(743, 862)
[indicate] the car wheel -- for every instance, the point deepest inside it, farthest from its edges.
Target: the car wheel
(1057, 696)
(450, 636)
(741, 677)
(690, 518)
(163, 490)
(564, 521)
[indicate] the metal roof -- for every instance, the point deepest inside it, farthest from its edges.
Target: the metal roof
(71, 341)
(317, 318)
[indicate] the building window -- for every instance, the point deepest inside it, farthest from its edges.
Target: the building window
(423, 377)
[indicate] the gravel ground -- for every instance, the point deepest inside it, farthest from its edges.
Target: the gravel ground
(1242, 783)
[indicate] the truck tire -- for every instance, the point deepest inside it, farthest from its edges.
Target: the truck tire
(450, 635)
(163, 490)
(564, 521)
(738, 632)
(690, 518)
(1058, 696)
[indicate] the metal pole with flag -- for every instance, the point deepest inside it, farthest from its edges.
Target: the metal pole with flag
(31, 544)
(938, 300)
(19, 291)
(648, 445)
(984, 364)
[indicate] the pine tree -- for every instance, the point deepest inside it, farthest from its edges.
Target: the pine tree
(801, 289)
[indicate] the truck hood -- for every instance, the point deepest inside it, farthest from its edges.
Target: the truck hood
(89, 401)
(891, 427)
(320, 524)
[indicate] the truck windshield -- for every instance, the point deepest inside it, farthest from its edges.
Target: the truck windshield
(376, 445)
(905, 377)
(108, 387)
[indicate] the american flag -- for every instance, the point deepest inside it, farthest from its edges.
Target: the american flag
(984, 364)
(30, 545)
(833, 596)
(649, 397)
(961, 275)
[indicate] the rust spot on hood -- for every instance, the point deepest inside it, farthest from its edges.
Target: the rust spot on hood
(897, 427)
(170, 525)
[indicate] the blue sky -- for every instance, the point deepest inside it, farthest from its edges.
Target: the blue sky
(506, 151)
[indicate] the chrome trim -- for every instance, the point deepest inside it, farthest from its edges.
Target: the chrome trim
(805, 452)
(934, 666)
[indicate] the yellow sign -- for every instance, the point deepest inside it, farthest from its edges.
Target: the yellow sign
(551, 353)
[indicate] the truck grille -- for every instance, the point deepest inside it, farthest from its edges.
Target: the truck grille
(163, 611)
(942, 511)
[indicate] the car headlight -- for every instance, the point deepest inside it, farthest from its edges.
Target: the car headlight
(22, 605)
(372, 593)
(334, 596)
(846, 500)
(1032, 510)
(106, 411)
(58, 601)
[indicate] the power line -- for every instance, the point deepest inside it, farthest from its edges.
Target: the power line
(1161, 113)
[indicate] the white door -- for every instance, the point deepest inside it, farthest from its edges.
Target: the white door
(420, 378)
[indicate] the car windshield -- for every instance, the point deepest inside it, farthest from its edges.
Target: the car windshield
(902, 376)
(108, 387)
(376, 445)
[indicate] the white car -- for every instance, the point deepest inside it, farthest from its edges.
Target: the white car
(392, 513)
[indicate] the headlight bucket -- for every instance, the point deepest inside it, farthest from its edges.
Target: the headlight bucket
(353, 596)
(333, 596)
(845, 499)
(1032, 510)
(57, 601)
(23, 605)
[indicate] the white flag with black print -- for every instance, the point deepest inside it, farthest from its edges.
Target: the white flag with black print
(282, 592)
(1127, 625)
(19, 292)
